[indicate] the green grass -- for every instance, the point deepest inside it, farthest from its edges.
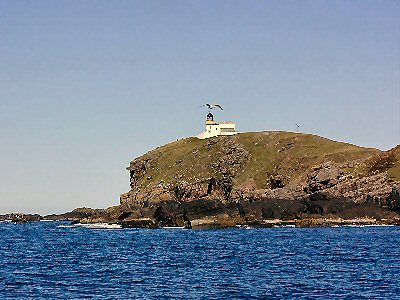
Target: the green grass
(285, 153)
(292, 154)
(394, 172)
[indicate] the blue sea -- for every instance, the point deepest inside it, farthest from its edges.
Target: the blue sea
(45, 260)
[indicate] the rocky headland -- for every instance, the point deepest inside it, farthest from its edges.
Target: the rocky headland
(260, 179)
(20, 217)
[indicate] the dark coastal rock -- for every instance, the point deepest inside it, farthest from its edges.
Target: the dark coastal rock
(20, 217)
(139, 223)
(277, 181)
(322, 177)
(76, 214)
(392, 201)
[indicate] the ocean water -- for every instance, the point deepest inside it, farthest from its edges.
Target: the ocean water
(46, 260)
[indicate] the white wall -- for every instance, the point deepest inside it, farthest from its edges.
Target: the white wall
(215, 130)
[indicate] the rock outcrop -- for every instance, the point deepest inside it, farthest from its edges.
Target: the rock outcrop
(253, 178)
(20, 217)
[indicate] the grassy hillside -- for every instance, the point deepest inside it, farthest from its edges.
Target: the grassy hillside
(251, 155)
(394, 170)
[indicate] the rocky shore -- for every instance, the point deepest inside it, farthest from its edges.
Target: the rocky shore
(264, 179)
(20, 217)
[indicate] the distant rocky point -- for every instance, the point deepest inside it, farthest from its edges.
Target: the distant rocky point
(262, 179)
(20, 217)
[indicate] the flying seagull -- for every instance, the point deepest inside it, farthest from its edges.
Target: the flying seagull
(212, 106)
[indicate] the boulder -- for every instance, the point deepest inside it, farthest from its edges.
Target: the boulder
(322, 177)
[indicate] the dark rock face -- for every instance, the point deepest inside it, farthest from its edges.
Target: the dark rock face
(253, 211)
(75, 215)
(392, 201)
(277, 181)
(326, 194)
(322, 177)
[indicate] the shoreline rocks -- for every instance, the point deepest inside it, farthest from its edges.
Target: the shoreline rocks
(20, 217)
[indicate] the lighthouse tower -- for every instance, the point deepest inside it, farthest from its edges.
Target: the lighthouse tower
(214, 128)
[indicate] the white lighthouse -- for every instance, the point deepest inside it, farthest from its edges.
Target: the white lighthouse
(214, 128)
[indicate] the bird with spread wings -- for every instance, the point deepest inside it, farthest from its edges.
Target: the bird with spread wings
(212, 106)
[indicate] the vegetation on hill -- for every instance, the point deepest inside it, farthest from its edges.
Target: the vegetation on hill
(257, 156)
(394, 164)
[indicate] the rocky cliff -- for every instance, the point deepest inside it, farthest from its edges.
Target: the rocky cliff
(259, 179)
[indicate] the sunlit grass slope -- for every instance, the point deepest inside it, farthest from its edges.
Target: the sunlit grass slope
(267, 153)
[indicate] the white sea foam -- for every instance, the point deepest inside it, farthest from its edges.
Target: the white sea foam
(367, 225)
(66, 226)
(92, 226)
(284, 226)
(100, 226)
(378, 225)
(172, 227)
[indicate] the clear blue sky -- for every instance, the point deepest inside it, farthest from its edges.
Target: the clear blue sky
(86, 86)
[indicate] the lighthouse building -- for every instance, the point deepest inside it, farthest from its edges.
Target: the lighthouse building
(214, 128)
